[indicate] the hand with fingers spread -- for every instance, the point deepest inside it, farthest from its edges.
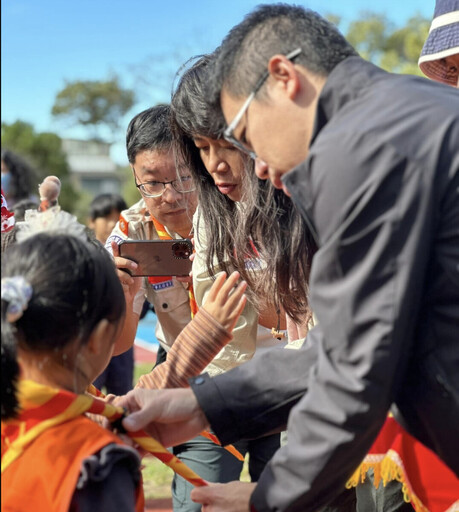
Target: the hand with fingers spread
(226, 299)
(203, 338)
(131, 285)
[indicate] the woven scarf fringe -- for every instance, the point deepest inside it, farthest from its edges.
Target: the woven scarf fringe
(387, 468)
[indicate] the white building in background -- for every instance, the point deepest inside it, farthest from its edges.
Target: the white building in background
(91, 167)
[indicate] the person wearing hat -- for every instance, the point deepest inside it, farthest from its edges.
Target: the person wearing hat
(439, 58)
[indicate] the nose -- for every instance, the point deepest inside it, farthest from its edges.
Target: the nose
(170, 195)
(215, 162)
(261, 169)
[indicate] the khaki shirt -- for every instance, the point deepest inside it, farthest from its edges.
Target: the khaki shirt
(169, 298)
(247, 335)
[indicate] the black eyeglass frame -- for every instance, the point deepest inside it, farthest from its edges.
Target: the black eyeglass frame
(141, 186)
(228, 134)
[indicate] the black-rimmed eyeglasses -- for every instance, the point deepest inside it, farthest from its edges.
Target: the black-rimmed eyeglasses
(228, 134)
(183, 184)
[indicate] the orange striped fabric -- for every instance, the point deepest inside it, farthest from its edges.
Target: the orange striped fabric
(43, 407)
(195, 347)
(164, 235)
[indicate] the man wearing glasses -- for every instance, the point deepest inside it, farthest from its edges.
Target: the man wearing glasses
(165, 210)
(372, 162)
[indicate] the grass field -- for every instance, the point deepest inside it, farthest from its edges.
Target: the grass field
(157, 477)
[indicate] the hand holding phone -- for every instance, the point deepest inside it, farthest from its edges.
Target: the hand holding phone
(124, 267)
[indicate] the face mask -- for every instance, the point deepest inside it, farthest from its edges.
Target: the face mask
(6, 182)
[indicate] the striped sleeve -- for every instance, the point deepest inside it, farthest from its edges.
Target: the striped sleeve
(195, 347)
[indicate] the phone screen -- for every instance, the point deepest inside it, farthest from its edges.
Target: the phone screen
(159, 257)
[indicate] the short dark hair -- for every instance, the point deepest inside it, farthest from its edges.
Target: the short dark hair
(149, 130)
(269, 30)
(103, 204)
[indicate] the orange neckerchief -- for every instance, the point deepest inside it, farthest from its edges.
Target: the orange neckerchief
(212, 437)
(164, 235)
(43, 407)
(426, 481)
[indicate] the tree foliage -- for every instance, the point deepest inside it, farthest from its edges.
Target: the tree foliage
(94, 104)
(393, 48)
(45, 153)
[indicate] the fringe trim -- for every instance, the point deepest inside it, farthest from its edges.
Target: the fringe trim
(389, 467)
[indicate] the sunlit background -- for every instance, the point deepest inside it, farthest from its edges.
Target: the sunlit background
(130, 50)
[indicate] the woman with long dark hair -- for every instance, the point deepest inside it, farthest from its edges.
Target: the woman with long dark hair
(245, 224)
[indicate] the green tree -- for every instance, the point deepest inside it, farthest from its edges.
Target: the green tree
(44, 152)
(94, 104)
(395, 49)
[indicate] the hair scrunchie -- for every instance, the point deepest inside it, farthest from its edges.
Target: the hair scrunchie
(17, 292)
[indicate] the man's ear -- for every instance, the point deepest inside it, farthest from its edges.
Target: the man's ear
(285, 74)
(97, 343)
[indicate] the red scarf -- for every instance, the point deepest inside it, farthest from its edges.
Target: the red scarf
(7, 216)
(426, 481)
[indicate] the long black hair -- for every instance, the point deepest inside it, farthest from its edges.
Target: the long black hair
(74, 286)
(265, 215)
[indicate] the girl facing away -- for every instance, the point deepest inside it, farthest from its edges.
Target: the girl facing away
(62, 308)
(62, 305)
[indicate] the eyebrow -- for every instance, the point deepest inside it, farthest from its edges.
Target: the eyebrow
(149, 171)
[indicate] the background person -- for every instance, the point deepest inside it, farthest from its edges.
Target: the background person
(104, 213)
(439, 58)
(19, 179)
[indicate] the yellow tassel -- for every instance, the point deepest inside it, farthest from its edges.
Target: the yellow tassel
(386, 468)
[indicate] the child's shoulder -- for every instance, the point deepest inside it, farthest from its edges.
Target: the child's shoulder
(78, 450)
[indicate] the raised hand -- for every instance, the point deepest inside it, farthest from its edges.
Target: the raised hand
(225, 300)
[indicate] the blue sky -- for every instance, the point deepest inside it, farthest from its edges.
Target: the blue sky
(45, 42)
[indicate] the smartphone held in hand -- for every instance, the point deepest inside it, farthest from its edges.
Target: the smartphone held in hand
(158, 257)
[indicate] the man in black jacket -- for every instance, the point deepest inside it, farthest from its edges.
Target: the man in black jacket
(371, 160)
